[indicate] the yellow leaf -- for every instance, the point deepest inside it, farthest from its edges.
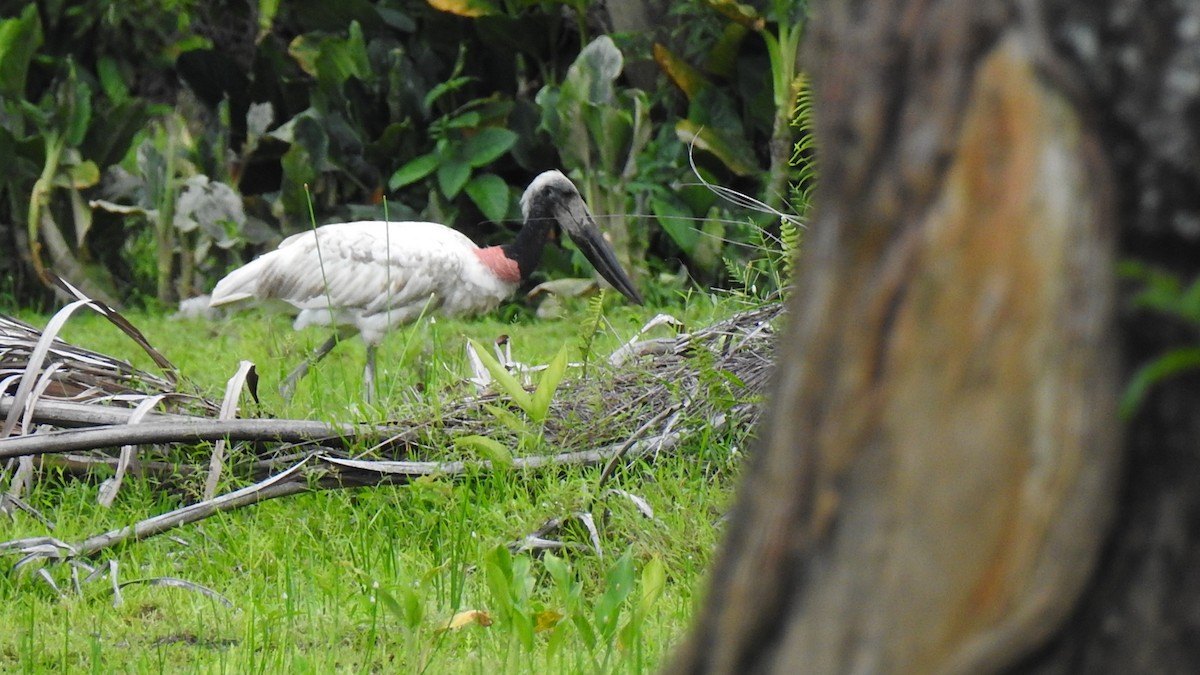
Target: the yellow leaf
(468, 617)
(471, 8)
(546, 620)
(683, 74)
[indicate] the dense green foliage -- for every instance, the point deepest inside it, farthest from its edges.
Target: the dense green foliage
(153, 144)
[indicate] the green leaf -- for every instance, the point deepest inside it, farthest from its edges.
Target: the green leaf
(467, 120)
(654, 581)
(332, 60)
(79, 176)
(508, 419)
(487, 144)
(733, 151)
(20, 39)
(488, 448)
(677, 221)
(618, 583)
(552, 376)
(110, 79)
(392, 605)
(490, 194)
(74, 108)
(592, 74)
(560, 572)
(503, 378)
(414, 171)
(611, 128)
(452, 176)
(1171, 363)
(498, 572)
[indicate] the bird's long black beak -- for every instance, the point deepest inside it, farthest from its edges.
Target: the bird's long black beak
(578, 223)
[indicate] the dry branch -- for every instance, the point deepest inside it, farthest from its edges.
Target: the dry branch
(191, 431)
(627, 413)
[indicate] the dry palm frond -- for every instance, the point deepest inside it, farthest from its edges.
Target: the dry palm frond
(654, 394)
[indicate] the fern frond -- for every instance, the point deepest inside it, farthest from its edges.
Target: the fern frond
(805, 156)
(789, 237)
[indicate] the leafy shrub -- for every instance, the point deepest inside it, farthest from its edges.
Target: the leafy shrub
(396, 109)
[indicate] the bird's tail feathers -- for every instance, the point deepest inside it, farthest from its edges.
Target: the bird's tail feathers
(240, 284)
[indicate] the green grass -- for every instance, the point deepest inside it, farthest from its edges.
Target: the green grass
(366, 580)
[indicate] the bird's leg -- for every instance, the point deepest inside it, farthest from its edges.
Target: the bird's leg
(369, 375)
(288, 388)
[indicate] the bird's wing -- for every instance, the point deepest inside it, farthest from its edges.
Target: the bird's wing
(369, 267)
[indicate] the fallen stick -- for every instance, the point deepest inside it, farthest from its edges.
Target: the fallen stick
(68, 414)
(318, 472)
(191, 431)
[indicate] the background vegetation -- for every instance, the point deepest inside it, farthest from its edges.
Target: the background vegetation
(153, 144)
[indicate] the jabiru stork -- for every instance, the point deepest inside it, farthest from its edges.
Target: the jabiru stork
(368, 277)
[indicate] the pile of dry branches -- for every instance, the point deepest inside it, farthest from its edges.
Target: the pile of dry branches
(85, 412)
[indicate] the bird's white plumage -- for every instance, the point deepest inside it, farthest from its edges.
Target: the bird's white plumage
(373, 275)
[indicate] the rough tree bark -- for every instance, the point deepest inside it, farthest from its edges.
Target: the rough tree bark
(939, 488)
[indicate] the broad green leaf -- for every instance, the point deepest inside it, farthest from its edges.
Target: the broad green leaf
(594, 71)
(734, 152)
(503, 378)
(560, 572)
(522, 623)
(20, 39)
(391, 604)
(110, 79)
(467, 120)
(488, 448)
(80, 176)
(722, 58)
(490, 194)
(74, 109)
(654, 581)
(414, 171)
(486, 145)
(508, 418)
(552, 376)
(332, 60)
(677, 221)
(452, 176)
(299, 170)
(467, 8)
(618, 583)
(611, 127)
(498, 573)
(307, 131)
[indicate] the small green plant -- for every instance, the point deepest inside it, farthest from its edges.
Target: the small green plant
(536, 407)
(1164, 293)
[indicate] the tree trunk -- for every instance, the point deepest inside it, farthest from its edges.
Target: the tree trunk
(939, 485)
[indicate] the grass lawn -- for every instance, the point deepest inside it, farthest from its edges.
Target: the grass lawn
(368, 580)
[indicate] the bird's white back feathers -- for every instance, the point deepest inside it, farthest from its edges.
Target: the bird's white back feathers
(370, 274)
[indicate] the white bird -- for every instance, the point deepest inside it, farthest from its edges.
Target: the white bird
(369, 277)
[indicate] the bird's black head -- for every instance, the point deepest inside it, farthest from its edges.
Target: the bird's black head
(552, 197)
